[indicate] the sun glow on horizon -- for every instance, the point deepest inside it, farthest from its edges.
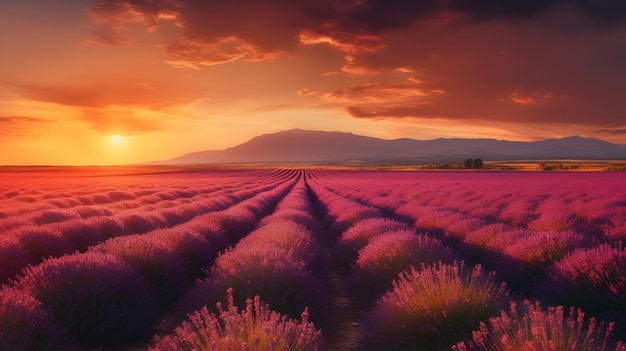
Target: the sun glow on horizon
(116, 139)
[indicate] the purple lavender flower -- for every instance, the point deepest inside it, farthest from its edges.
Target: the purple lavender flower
(12, 258)
(346, 251)
(429, 308)
(25, 325)
(157, 260)
(102, 301)
(254, 328)
(594, 279)
(532, 328)
(388, 255)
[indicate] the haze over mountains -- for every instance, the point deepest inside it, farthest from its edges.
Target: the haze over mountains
(304, 146)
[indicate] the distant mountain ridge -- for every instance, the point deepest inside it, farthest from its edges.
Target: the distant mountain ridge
(306, 146)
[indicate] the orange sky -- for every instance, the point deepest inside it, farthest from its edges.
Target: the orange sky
(175, 76)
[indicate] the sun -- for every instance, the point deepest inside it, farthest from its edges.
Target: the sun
(116, 139)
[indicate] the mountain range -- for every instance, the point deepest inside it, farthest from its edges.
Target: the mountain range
(306, 146)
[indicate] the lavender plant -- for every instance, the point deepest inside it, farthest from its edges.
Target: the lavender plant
(26, 326)
(388, 255)
(79, 233)
(594, 279)
(109, 227)
(346, 251)
(280, 280)
(139, 222)
(197, 252)
(237, 221)
(304, 218)
(207, 227)
(531, 328)
(102, 301)
(53, 216)
(525, 261)
(429, 308)
(255, 328)
(41, 242)
(12, 258)
(157, 260)
(292, 237)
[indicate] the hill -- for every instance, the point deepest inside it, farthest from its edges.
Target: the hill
(304, 146)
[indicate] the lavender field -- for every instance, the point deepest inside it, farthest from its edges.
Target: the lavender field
(158, 258)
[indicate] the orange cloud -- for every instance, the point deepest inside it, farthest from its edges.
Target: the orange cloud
(353, 66)
(196, 53)
(120, 121)
(209, 33)
(306, 91)
(520, 97)
(20, 125)
(404, 69)
(212, 33)
(351, 44)
(346, 42)
(617, 131)
(383, 112)
(103, 94)
(124, 107)
(22, 119)
(114, 18)
(378, 93)
(385, 100)
(467, 52)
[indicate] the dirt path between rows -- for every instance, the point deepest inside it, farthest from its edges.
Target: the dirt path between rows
(347, 336)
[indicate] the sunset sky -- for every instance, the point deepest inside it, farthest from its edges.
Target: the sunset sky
(124, 81)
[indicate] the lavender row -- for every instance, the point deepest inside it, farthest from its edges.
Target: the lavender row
(131, 195)
(371, 247)
(389, 266)
(106, 201)
(525, 255)
(559, 266)
(530, 201)
(68, 193)
(171, 264)
(276, 263)
(113, 294)
(31, 244)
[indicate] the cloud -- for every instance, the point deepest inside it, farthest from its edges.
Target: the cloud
(386, 99)
(398, 111)
(534, 61)
(349, 43)
(214, 32)
(378, 16)
(519, 96)
(379, 93)
(621, 131)
(195, 53)
(496, 71)
(306, 91)
(21, 125)
(211, 33)
(22, 119)
(115, 17)
(103, 94)
(120, 121)
(122, 107)
(352, 45)
(610, 11)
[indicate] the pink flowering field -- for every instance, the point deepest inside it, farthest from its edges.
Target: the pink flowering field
(199, 258)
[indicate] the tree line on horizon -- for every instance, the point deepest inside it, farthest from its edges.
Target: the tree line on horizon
(476, 163)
